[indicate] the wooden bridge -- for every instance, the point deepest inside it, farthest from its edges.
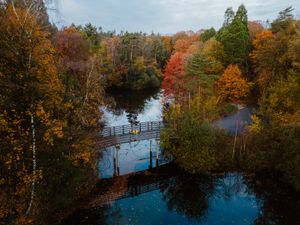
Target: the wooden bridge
(116, 135)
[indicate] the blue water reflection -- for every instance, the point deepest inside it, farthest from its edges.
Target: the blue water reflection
(183, 200)
(132, 157)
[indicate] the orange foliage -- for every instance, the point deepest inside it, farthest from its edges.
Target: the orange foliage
(254, 29)
(168, 43)
(28, 69)
(231, 85)
(173, 82)
(182, 45)
(264, 57)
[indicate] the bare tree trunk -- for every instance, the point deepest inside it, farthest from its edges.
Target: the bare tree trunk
(33, 165)
(88, 82)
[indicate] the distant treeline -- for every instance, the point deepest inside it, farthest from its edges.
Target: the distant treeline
(127, 60)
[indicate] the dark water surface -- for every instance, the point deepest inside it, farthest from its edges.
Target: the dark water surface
(173, 196)
(184, 199)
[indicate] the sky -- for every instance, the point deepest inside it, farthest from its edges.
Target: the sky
(162, 16)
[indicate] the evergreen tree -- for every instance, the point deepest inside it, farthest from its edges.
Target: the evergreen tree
(228, 17)
(208, 34)
(235, 37)
(241, 14)
(283, 20)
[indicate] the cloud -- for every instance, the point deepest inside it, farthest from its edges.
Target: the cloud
(164, 16)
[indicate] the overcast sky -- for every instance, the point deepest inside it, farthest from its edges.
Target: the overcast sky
(162, 16)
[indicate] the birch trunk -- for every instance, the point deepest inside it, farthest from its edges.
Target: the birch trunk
(33, 165)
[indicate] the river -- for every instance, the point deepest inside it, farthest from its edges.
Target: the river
(172, 196)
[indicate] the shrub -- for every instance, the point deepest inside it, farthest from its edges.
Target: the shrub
(194, 144)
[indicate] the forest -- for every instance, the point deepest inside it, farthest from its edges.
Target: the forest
(53, 81)
(243, 63)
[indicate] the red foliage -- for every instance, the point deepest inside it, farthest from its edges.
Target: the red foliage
(183, 44)
(72, 49)
(173, 82)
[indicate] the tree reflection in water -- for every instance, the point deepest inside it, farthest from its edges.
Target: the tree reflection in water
(280, 205)
(187, 199)
(189, 194)
(130, 102)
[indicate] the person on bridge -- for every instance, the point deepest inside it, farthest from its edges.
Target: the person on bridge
(135, 132)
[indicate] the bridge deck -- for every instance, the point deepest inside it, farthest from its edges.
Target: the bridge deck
(130, 133)
(116, 140)
(130, 128)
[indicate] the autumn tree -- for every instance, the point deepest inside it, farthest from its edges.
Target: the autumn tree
(274, 54)
(213, 51)
(183, 44)
(276, 65)
(254, 28)
(284, 18)
(281, 101)
(79, 68)
(30, 108)
(167, 40)
(174, 73)
(50, 98)
(119, 54)
(231, 86)
(265, 58)
(161, 49)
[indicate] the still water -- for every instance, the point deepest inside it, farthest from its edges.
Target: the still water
(128, 107)
(125, 108)
(168, 195)
(183, 199)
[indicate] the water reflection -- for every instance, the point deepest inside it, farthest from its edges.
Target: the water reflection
(132, 107)
(175, 197)
(180, 198)
(280, 205)
(131, 157)
(189, 194)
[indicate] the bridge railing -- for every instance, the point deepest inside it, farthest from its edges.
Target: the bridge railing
(132, 128)
(121, 139)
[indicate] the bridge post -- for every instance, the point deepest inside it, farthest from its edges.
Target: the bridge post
(123, 129)
(118, 160)
(114, 162)
(150, 166)
(114, 131)
(157, 148)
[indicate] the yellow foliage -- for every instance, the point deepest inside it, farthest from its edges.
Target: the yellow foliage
(231, 85)
(256, 126)
(213, 51)
(264, 57)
